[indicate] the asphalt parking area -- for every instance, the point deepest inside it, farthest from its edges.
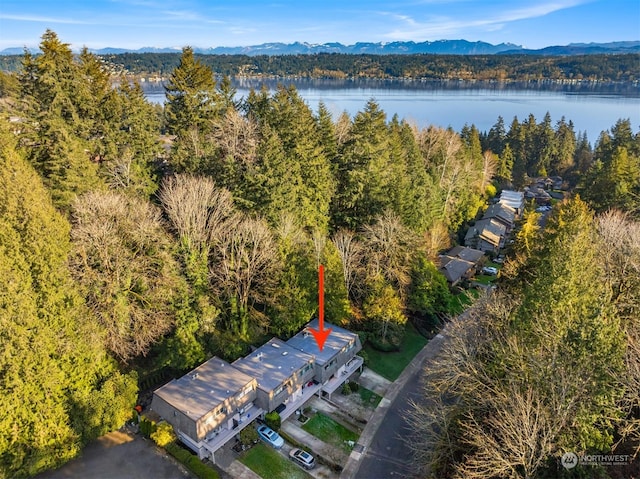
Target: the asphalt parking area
(120, 455)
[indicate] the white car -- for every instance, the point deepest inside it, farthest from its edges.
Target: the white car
(490, 270)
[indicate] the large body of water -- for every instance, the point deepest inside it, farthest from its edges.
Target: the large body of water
(593, 108)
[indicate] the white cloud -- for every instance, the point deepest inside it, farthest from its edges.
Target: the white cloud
(440, 26)
(40, 19)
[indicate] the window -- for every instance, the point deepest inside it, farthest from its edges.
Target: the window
(281, 388)
(244, 392)
(306, 368)
(330, 363)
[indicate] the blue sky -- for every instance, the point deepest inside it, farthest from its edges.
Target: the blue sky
(212, 23)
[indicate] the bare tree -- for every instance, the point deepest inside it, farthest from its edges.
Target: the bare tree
(122, 260)
(350, 252)
(472, 424)
(343, 128)
(319, 240)
(620, 237)
(436, 239)
(489, 168)
(245, 270)
(237, 137)
(197, 209)
(514, 436)
(390, 246)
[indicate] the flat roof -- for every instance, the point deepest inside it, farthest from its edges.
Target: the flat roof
(204, 388)
(337, 339)
(272, 363)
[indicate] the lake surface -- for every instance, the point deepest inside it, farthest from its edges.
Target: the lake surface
(593, 108)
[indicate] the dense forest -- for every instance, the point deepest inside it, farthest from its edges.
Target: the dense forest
(138, 241)
(604, 67)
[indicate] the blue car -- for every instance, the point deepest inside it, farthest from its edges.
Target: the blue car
(271, 437)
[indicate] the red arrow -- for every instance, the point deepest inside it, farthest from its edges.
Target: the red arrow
(321, 334)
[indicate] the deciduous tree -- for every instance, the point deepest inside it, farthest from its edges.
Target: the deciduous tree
(123, 261)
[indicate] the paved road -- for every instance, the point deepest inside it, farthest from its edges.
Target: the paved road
(387, 455)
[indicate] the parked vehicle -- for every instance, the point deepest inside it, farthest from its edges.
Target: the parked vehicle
(271, 437)
(302, 458)
(490, 270)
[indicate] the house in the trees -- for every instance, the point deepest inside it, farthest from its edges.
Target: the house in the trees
(502, 213)
(337, 360)
(486, 235)
(514, 199)
(460, 262)
(208, 406)
(284, 376)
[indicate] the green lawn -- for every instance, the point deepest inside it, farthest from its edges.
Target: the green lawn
(390, 365)
(369, 398)
(329, 431)
(270, 464)
(462, 301)
(485, 279)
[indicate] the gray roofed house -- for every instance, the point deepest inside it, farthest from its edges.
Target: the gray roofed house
(460, 262)
(466, 253)
(486, 235)
(281, 371)
(503, 213)
(337, 360)
(215, 398)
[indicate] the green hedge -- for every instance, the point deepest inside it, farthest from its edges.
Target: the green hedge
(386, 347)
(273, 420)
(191, 462)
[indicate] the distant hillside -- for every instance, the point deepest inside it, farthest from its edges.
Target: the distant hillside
(581, 49)
(443, 47)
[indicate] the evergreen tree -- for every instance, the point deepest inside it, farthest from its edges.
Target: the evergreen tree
(131, 141)
(546, 147)
(566, 144)
(192, 103)
(58, 389)
(516, 140)
(60, 111)
(496, 137)
(505, 165)
(363, 171)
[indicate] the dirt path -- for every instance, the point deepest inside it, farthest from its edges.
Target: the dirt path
(120, 455)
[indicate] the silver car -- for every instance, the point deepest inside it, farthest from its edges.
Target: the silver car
(303, 458)
(271, 437)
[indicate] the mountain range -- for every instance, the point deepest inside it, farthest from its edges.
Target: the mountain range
(444, 47)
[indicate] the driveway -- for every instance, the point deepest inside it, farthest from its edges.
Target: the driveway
(120, 455)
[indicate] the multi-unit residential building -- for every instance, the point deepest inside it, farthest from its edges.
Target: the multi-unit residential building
(282, 373)
(214, 402)
(337, 360)
(514, 199)
(502, 213)
(209, 405)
